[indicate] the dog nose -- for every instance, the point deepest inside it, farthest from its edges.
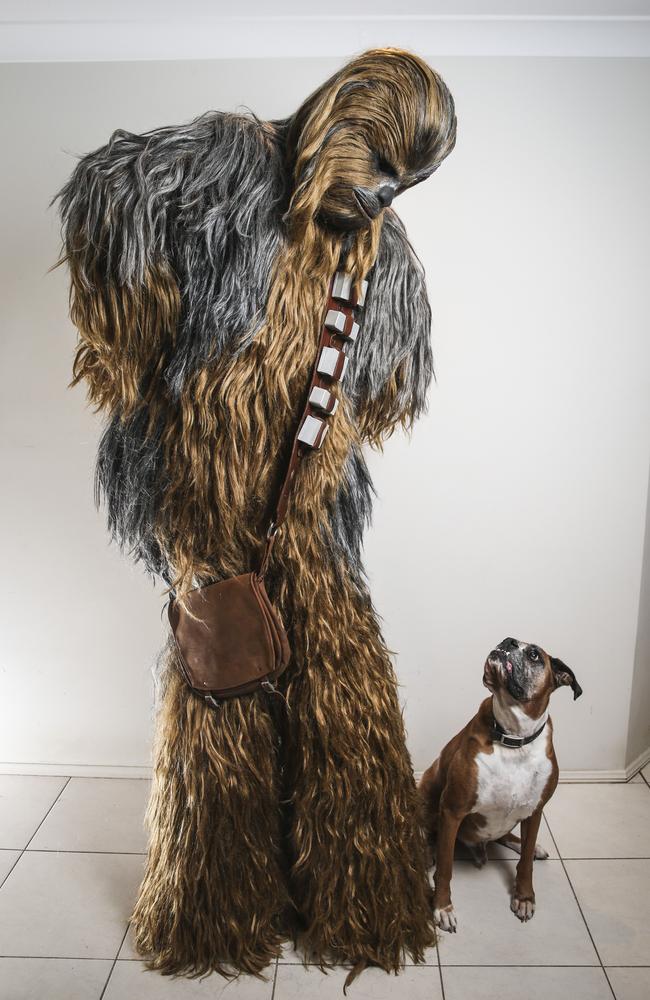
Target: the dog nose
(385, 195)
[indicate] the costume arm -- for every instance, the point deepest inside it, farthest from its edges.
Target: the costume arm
(154, 229)
(392, 365)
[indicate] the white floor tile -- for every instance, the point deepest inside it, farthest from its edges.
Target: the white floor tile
(7, 861)
(630, 984)
(97, 814)
(131, 981)
(68, 905)
(52, 978)
(601, 821)
(615, 899)
(490, 934)
(294, 982)
(24, 801)
(521, 983)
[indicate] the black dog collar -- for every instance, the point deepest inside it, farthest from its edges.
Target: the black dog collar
(499, 735)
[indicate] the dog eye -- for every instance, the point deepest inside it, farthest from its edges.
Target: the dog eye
(533, 654)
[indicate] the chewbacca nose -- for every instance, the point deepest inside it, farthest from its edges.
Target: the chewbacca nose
(385, 195)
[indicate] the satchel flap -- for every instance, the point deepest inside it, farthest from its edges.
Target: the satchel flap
(228, 643)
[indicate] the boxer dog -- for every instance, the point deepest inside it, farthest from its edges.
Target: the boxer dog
(498, 771)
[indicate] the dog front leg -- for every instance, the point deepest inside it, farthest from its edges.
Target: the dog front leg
(443, 911)
(523, 897)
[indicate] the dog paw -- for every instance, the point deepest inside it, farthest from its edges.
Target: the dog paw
(540, 853)
(524, 909)
(445, 919)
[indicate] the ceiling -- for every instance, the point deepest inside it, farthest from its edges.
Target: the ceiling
(84, 30)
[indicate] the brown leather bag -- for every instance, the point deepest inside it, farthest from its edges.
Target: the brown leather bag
(236, 641)
(229, 636)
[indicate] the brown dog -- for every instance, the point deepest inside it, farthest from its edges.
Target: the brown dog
(500, 770)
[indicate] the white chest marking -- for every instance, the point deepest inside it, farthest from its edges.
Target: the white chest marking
(510, 784)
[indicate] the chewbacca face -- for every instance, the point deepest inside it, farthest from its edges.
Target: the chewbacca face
(382, 124)
(367, 173)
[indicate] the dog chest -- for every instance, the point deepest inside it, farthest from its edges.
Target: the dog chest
(510, 785)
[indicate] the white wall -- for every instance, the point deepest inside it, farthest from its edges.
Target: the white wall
(638, 738)
(519, 505)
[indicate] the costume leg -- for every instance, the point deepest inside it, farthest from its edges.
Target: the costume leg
(359, 870)
(214, 889)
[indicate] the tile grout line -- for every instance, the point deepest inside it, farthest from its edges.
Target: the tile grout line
(420, 965)
(442, 982)
(69, 958)
(117, 953)
(520, 965)
(46, 814)
(346, 965)
(575, 896)
(62, 790)
(275, 978)
(479, 965)
(129, 854)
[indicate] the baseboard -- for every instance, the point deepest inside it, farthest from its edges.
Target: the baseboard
(142, 771)
(594, 776)
(78, 770)
(580, 777)
(638, 763)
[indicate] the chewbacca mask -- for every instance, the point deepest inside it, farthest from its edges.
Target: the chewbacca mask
(200, 257)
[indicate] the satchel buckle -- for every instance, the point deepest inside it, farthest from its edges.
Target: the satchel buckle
(268, 686)
(211, 700)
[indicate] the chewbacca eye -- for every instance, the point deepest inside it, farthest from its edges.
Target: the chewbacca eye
(533, 654)
(384, 166)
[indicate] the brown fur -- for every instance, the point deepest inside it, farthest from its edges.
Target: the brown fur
(229, 862)
(349, 839)
(137, 325)
(214, 888)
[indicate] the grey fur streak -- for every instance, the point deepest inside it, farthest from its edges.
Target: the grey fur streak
(209, 196)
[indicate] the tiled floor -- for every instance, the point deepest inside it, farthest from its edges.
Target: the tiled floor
(71, 858)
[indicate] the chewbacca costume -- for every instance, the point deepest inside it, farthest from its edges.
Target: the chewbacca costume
(200, 257)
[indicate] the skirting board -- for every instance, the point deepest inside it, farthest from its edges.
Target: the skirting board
(78, 770)
(141, 771)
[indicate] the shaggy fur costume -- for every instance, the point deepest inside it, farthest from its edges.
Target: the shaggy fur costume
(200, 257)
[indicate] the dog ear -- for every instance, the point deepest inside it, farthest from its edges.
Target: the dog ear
(565, 675)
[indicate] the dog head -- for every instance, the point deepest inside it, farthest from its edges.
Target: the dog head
(526, 672)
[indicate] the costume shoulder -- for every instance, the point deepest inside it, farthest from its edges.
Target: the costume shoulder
(169, 236)
(393, 364)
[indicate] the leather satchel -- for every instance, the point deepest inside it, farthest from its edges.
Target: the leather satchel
(232, 641)
(228, 635)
